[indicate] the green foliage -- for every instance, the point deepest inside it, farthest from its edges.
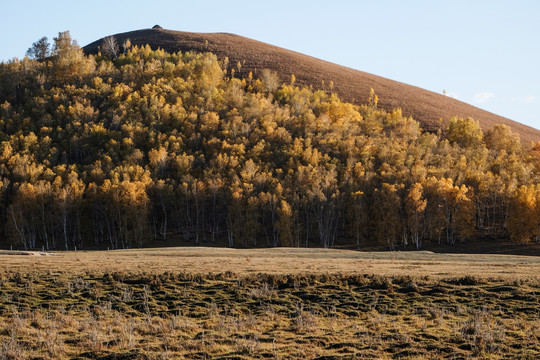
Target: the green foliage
(40, 49)
(111, 151)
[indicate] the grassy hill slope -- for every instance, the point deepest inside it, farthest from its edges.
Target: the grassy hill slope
(351, 85)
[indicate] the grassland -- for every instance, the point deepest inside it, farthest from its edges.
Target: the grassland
(277, 303)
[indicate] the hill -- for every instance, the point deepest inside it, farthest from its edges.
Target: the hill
(351, 85)
(151, 148)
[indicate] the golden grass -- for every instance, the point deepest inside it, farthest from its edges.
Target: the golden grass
(280, 261)
(196, 303)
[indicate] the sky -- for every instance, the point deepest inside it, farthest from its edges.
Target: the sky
(485, 53)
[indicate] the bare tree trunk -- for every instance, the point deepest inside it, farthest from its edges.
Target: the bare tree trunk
(64, 225)
(20, 230)
(110, 47)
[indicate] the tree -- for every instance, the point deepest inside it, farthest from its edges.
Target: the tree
(464, 212)
(269, 203)
(69, 60)
(165, 141)
(64, 45)
(435, 216)
(415, 205)
(458, 210)
(523, 218)
(358, 216)
(501, 137)
(465, 132)
(157, 159)
(126, 212)
(40, 49)
(109, 47)
(284, 224)
(270, 80)
(161, 196)
(69, 200)
(325, 199)
(387, 215)
(126, 46)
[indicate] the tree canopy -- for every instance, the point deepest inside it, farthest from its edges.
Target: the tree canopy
(122, 150)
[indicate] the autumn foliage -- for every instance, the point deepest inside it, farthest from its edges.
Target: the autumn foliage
(120, 151)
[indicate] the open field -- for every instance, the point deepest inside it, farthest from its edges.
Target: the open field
(202, 303)
(279, 261)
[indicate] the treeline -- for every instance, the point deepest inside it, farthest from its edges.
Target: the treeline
(121, 151)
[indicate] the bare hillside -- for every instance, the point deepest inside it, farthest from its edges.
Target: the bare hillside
(351, 85)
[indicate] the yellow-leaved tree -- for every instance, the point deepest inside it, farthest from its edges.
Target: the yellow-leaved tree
(465, 132)
(415, 206)
(523, 217)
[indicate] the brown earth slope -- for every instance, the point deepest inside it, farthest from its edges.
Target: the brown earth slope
(351, 85)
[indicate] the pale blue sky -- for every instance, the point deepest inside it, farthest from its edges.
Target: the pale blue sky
(486, 53)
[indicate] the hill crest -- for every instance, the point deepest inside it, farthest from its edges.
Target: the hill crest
(351, 85)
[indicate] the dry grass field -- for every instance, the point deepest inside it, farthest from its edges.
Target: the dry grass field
(211, 303)
(278, 261)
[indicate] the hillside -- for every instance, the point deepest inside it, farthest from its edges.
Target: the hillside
(151, 148)
(351, 85)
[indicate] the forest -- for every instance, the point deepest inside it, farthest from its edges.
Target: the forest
(147, 148)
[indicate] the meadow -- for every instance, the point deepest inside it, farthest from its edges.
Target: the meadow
(213, 303)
